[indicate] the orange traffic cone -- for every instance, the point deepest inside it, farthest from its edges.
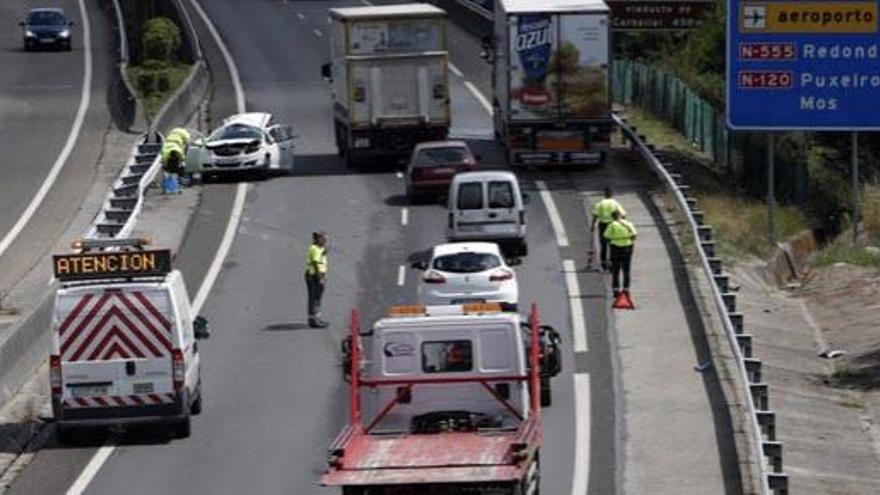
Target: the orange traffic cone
(623, 301)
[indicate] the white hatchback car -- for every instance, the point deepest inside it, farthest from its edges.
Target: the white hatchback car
(245, 142)
(465, 272)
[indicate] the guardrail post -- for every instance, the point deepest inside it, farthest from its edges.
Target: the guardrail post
(729, 299)
(773, 450)
(705, 232)
(736, 319)
(698, 217)
(691, 202)
(760, 395)
(745, 344)
(708, 248)
(714, 264)
(767, 420)
(722, 281)
(753, 368)
(778, 482)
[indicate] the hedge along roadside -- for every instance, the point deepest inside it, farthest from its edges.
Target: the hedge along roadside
(125, 107)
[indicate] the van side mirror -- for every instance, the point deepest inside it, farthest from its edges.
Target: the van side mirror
(527, 198)
(325, 72)
(200, 328)
(419, 265)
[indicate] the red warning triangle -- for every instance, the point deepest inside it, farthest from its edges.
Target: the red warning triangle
(623, 301)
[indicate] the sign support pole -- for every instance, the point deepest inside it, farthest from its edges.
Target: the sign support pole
(771, 186)
(855, 186)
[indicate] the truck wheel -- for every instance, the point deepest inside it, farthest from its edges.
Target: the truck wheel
(546, 392)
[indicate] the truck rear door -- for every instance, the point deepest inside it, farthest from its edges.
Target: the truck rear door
(115, 347)
(404, 90)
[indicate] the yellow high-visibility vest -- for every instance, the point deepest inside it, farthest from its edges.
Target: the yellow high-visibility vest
(620, 233)
(604, 210)
(316, 259)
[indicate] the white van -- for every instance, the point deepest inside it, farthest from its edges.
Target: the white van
(488, 206)
(124, 350)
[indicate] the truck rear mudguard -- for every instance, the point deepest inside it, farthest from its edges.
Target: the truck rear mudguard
(549, 143)
(386, 141)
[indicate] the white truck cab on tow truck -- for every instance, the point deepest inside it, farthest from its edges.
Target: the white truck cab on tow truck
(448, 402)
(124, 342)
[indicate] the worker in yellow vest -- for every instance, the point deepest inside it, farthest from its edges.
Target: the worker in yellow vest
(621, 235)
(602, 212)
(316, 277)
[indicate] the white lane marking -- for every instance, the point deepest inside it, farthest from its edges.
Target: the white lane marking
(317, 32)
(455, 70)
(580, 484)
(301, 16)
(578, 325)
(399, 174)
(49, 181)
(223, 249)
(479, 96)
(91, 470)
(401, 275)
(404, 216)
(230, 63)
(101, 456)
(553, 213)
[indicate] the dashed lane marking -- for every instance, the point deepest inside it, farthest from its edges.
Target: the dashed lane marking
(401, 275)
(404, 216)
(553, 213)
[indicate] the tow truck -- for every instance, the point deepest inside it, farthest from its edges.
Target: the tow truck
(447, 403)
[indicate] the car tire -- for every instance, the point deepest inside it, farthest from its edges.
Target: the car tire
(64, 435)
(196, 407)
(546, 392)
(183, 428)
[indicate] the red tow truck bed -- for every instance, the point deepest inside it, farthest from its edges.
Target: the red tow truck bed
(463, 456)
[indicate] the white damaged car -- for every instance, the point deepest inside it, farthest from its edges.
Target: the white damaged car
(246, 142)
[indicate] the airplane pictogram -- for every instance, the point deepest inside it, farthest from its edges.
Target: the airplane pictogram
(755, 17)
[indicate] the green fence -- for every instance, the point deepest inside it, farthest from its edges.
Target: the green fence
(742, 155)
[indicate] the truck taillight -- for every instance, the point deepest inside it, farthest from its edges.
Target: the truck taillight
(501, 276)
(178, 372)
(434, 278)
(55, 374)
(522, 217)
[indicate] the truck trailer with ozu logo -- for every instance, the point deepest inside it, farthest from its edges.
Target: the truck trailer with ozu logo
(551, 78)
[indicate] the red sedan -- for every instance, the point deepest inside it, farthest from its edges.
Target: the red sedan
(433, 164)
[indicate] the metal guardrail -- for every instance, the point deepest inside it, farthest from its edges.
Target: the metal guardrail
(126, 197)
(761, 420)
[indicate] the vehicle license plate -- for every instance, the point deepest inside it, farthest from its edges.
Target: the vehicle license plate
(89, 390)
(143, 388)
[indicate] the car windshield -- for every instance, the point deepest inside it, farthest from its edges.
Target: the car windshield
(45, 18)
(236, 131)
(466, 262)
(432, 157)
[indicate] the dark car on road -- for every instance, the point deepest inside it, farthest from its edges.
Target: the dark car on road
(433, 164)
(47, 28)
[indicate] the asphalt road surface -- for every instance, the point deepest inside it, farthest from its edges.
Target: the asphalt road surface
(40, 96)
(274, 398)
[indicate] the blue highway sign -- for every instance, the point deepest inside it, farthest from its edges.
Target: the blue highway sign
(803, 65)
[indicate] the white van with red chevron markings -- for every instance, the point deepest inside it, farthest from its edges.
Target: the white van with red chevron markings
(124, 342)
